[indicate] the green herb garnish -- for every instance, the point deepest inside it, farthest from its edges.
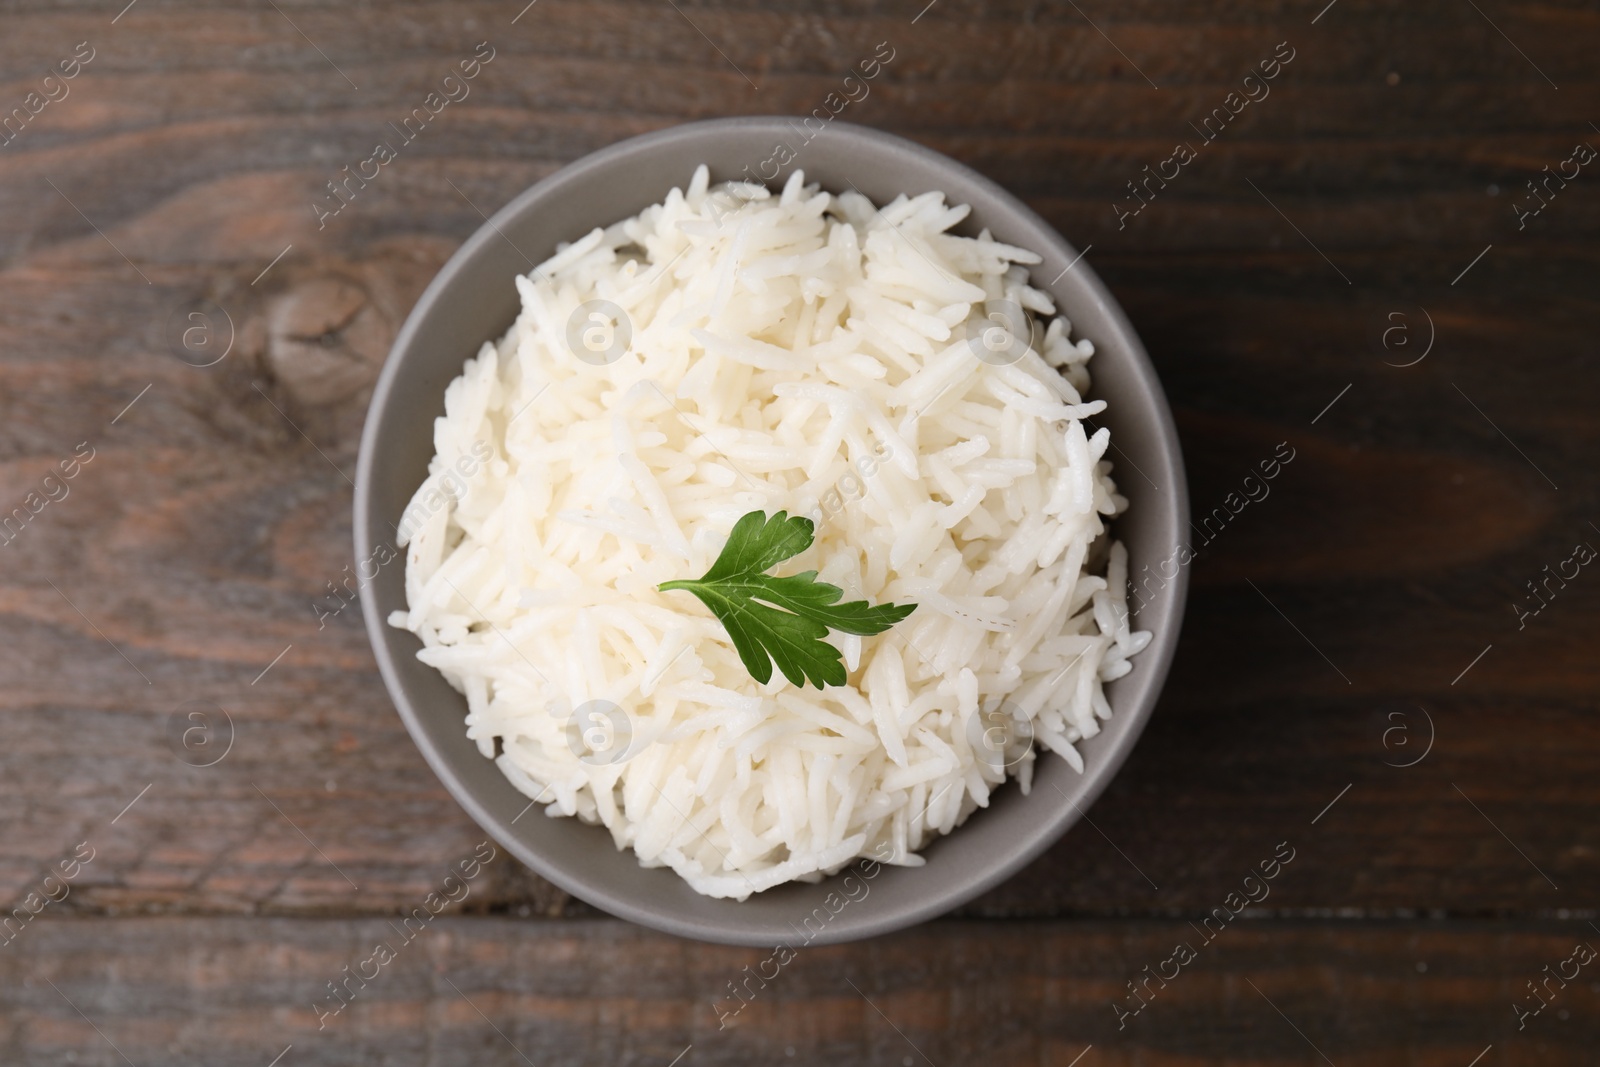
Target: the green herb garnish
(748, 603)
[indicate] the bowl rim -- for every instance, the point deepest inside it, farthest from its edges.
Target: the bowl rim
(1156, 660)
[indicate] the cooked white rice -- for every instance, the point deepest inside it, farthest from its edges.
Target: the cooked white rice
(803, 352)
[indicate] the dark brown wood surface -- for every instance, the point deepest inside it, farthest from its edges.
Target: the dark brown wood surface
(1352, 640)
(507, 991)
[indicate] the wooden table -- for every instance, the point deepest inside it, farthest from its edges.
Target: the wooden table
(1350, 264)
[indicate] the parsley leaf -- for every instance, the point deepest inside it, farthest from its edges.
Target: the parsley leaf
(782, 620)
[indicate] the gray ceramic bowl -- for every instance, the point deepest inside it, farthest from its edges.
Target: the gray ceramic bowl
(473, 300)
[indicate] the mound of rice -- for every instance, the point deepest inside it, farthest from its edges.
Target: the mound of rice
(805, 352)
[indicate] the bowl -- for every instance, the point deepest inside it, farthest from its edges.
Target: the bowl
(474, 300)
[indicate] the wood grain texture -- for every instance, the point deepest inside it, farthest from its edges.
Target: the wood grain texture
(498, 991)
(1335, 627)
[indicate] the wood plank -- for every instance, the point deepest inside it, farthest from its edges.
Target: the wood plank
(500, 991)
